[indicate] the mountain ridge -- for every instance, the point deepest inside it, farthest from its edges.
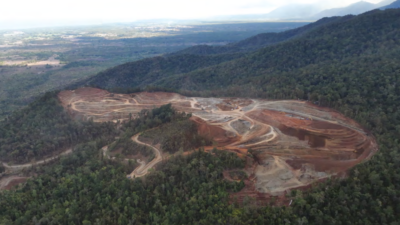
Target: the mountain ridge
(258, 41)
(353, 9)
(393, 5)
(278, 58)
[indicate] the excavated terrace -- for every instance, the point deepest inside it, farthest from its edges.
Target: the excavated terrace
(294, 143)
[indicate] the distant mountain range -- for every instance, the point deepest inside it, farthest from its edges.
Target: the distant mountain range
(295, 11)
(394, 5)
(384, 3)
(313, 12)
(354, 9)
(286, 12)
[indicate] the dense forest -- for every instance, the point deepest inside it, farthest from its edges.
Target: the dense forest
(148, 70)
(127, 148)
(44, 128)
(184, 190)
(192, 184)
(179, 135)
(350, 65)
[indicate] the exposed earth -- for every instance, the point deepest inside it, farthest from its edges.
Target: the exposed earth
(8, 183)
(294, 143)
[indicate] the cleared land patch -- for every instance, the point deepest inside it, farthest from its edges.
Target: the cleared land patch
(294, 143)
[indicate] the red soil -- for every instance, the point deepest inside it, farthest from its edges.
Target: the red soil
(216, 133)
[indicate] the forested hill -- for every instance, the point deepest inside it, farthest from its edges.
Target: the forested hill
(373, 34)
(145, 72)
(260, 40)
(130, 76)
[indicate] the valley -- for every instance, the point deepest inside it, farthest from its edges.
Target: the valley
(293, 142)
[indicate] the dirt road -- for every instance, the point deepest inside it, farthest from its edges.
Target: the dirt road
(143, 169)
(22, 166)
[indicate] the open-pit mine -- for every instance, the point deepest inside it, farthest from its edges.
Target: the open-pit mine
(293, 143)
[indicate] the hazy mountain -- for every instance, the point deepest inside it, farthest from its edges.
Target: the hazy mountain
(310, 11)
(354, 9)
(394, 5)
(384, 3)
(294, 11)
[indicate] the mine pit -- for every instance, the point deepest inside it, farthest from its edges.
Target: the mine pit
(293, 143)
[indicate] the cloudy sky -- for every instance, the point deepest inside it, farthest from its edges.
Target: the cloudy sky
(12, 11)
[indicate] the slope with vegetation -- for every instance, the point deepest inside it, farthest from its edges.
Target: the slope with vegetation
(355, 40)
(350, 39)
(175, 136)
(43, 129)
(147, 70)
(128, 77)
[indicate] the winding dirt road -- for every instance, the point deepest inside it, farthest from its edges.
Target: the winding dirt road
(144, 169)
(22, 166)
